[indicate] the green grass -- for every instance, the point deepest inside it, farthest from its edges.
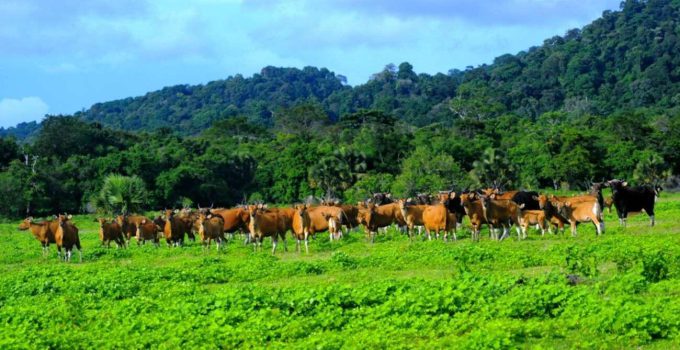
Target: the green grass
(351, 294)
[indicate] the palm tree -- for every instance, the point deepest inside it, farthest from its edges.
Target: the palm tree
(121, 194)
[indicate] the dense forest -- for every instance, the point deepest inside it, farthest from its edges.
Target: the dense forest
(598, 102)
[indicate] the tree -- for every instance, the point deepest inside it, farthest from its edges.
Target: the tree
(493, 168)
(121, 194)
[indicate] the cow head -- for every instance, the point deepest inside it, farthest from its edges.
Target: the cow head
(102, 221)
(617, 185)
(563, 208)
(301, 209)
(26, 224)
(542, 201)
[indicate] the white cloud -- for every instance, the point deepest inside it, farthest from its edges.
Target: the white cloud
(14, 111)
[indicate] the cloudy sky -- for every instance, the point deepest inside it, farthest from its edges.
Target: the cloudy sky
(61, 56)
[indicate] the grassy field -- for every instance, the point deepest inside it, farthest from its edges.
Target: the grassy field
(351, 294)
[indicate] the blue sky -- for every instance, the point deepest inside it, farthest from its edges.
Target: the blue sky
(62, 56)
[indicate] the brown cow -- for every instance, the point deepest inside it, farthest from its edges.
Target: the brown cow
(581, 211)
(437, 218)
(129, 223)
(375, 217)
(413, 216)
(110, 231)
(67, 237)
(532, 217)
(501, 213)
(556, 220)
(268, 223)
(235, 219)
(474, 210)
(310, 220)
(210, 227)
(148, 231)
(43, 232)
(177, 226)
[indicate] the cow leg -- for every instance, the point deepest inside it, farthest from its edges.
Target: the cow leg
(651, 218)
(274, 243)
(573, 228)
(297, 245)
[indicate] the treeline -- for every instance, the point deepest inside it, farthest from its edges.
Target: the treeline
(306, 153)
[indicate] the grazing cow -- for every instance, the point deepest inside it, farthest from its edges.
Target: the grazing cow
(67, 237)
(210, 227)
(148, 230)
(267, 223)
(583, 211)
(532, 217)
(501, 213)
(375, 217)
(437, 218)
(474, 210)
(633, 199)
(110, 231)
(413, 216)
(43, 232)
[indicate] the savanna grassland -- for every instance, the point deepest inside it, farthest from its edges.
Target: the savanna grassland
(623, 292)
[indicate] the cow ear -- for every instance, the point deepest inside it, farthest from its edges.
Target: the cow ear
(452, 195)
(143, 221)
(69, 216)
(521, 206)
(264, 206)
(388, 195)
(534, 198)
(493, 196)
(625, 183)
(568, 204)
(209, 216)
(176, 211)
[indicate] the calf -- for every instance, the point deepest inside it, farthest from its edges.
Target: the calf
(633, 199)
(267, 223)
(110, 231)
(67, 237)
(43, 232)
(501, 213)
(583, 211)
(532, 217)
(210, 227)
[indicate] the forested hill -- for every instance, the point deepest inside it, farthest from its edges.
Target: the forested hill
(626, 59)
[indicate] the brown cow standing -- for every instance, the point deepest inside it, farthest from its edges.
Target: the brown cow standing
(310, 220)
(67, 237)
(556, 220)
(501, 213)
(110, 231)
(210, 228)
(267, 223)
(235, 219)
(148, 231)
(532, 217)
(413, 216)
(176, 227)
(581, 211)
(129, 223)
(474, 211)
(376, 217)
(437, 218)
(43, 232)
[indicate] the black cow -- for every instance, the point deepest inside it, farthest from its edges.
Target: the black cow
(452, 204)
(381, 198)
(633, 199)
(528, 198)
(424, 199)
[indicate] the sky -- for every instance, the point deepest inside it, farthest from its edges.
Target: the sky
(62, 56)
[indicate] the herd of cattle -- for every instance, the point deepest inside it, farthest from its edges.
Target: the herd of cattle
(436, 215)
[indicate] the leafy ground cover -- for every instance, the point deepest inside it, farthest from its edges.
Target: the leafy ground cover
(615, 291)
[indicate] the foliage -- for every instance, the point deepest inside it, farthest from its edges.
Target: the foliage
(121, 194)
